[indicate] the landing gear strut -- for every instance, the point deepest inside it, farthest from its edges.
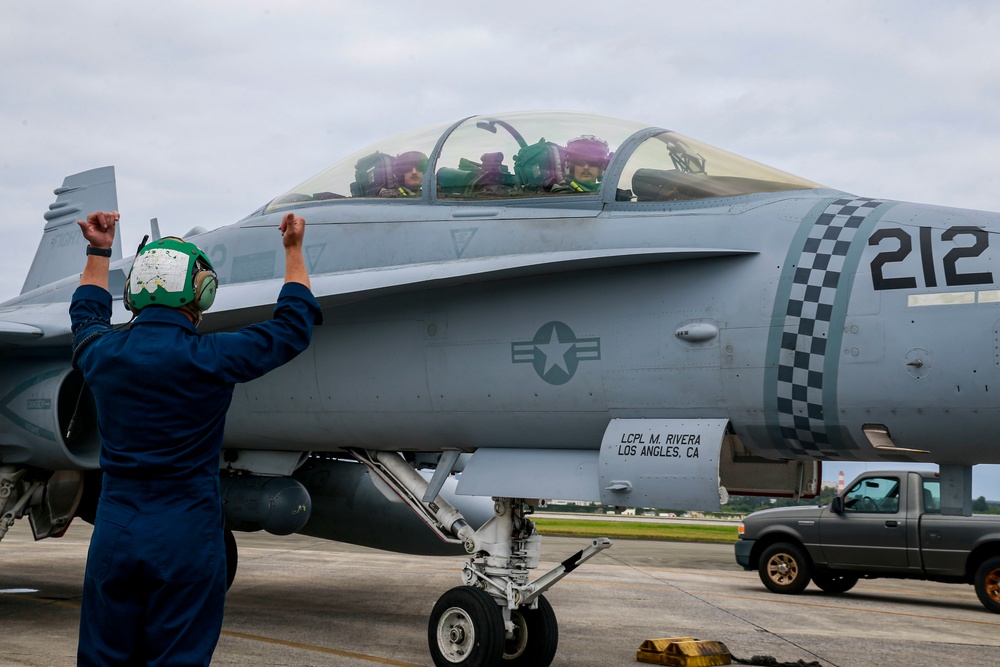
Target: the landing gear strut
(499, 615)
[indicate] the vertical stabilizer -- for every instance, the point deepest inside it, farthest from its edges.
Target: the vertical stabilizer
(61, 251)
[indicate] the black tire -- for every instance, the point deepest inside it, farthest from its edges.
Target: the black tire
(466, 628)
(834, 583)
(536, 637)
(987, 583)
(784, 568)
(232, 556)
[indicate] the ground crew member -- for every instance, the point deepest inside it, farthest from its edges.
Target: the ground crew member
(586, 159)
(155, 583)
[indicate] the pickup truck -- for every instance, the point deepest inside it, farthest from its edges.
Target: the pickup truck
(885, 524)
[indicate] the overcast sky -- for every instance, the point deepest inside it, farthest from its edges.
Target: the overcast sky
(209, 109)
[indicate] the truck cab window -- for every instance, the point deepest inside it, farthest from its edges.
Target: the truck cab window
(932, 495)
(874, 495)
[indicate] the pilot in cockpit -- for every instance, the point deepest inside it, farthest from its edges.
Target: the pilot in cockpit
(408, 175)
(586, 159)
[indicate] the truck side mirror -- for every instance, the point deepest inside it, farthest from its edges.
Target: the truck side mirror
(837, 505)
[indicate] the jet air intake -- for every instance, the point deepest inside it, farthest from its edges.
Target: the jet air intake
(38, 400)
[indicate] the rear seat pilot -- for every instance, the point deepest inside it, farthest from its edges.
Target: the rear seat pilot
(586, 159)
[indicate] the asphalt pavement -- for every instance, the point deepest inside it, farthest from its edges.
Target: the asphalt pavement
(304, 601)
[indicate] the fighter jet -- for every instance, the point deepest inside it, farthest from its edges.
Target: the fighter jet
(558, 305)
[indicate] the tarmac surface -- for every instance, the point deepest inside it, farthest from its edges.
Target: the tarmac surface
(304, 601)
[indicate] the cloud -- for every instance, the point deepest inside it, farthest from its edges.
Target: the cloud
(209, 109)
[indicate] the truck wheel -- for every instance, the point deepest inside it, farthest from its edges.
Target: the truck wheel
(988, 584)
(835, 582)
(784, 568)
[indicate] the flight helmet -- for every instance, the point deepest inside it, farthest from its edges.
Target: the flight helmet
(588, 148)
(404, 162)
(174, 273)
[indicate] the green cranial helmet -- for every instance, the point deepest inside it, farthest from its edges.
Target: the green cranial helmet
(173, 273)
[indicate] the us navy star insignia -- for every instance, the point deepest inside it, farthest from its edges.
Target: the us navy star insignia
(555, 352)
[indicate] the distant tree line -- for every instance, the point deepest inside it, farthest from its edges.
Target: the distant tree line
(982, 506)
(742, 505)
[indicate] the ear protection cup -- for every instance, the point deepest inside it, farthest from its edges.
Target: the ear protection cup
(205, 285)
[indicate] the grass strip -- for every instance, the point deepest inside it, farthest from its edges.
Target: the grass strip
(635, 530)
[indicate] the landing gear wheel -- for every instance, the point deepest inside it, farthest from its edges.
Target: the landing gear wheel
(466, 628)
(536, 637)
(835, 582)
(784, 568)
(988, 584)
(232, 556)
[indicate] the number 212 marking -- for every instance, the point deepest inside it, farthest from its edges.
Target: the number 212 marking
(952, 277)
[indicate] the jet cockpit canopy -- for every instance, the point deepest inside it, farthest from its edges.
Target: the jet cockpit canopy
(531, 155)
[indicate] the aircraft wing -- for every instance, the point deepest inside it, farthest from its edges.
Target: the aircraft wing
(248, 302)
(34, 324)
(244, 303)
(15, 331)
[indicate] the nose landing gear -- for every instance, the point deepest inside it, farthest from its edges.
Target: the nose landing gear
(499, 616)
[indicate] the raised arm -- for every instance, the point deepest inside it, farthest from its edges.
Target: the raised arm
(99, 230)
(293, 229)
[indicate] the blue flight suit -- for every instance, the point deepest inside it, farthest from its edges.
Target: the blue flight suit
(155, 585)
